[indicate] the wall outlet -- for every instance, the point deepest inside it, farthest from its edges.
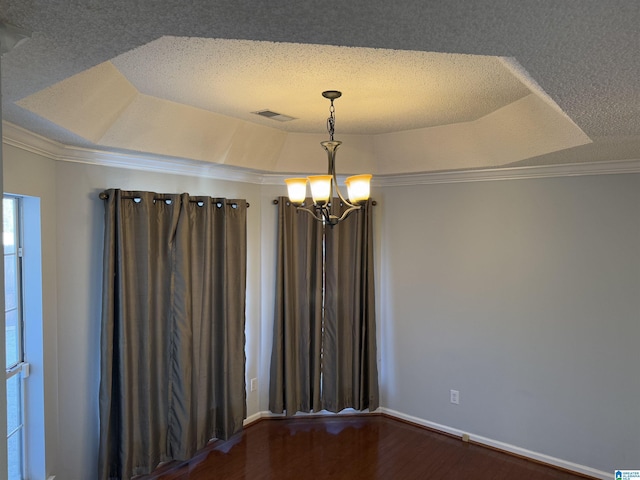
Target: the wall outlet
(454, 397)
(254, 384)
(465, 437)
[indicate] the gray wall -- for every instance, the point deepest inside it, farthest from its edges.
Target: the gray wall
(525, 296)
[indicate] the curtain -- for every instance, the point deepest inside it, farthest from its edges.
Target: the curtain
(350, 372)
(297, 336)
(172, 341)
(324, 340)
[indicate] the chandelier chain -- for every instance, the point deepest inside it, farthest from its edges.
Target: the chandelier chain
(331, 121)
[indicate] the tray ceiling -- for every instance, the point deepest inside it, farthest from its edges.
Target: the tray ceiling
(449, 86)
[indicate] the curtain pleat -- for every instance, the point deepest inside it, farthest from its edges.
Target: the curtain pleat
(324, 340)
(172, 345)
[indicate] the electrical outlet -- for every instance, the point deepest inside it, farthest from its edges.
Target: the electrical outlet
(454, 397)
(254, 384)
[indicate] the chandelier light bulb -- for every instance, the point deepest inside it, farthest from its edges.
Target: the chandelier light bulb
(320, 189)
(297, 189)
(358, 188)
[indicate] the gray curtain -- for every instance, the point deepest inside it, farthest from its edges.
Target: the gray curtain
(173, 314)
(297, 335)
(349, 369)
(324, 345)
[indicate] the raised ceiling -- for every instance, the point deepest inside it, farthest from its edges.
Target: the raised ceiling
(428, 86)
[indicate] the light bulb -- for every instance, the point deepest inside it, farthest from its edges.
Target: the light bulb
(297, 188)
(358, 188)
(320, 189)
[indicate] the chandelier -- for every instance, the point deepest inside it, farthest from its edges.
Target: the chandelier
(323, 186)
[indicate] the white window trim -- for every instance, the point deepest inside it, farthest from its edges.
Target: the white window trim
(33, 359)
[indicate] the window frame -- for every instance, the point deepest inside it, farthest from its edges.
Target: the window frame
(19, 367)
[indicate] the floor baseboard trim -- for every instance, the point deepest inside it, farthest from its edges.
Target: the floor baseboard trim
(505, 447)
(323, 413)
(253, 418)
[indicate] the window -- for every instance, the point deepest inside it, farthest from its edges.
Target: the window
(16, 368)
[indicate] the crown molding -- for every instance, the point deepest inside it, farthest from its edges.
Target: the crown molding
(510, 173)
(26, 140)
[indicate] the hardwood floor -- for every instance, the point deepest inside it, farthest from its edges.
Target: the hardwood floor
(351, 447)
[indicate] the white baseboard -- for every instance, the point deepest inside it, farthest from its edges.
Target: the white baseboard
(523, 452)
(267, 414)
(253, 418)
(540, 457)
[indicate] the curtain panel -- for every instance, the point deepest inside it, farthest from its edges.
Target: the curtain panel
(173, 315)
(297, 334)
(324, 338)
(349, 368)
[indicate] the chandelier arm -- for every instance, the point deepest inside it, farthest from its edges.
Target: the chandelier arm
(342, 199)
(347, 212)
(329, 219)
(331, 148)
(325, 215)
(310, 212)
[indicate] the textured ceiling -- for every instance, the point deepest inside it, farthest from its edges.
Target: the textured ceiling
(384, 90)
(505, 83)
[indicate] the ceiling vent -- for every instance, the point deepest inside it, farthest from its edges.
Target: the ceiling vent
(274, 115)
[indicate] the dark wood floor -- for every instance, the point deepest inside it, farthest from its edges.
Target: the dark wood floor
(351, 447)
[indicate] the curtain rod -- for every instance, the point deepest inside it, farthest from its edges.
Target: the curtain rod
(105, 196)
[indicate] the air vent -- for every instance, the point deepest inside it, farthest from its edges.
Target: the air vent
(274, 116)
